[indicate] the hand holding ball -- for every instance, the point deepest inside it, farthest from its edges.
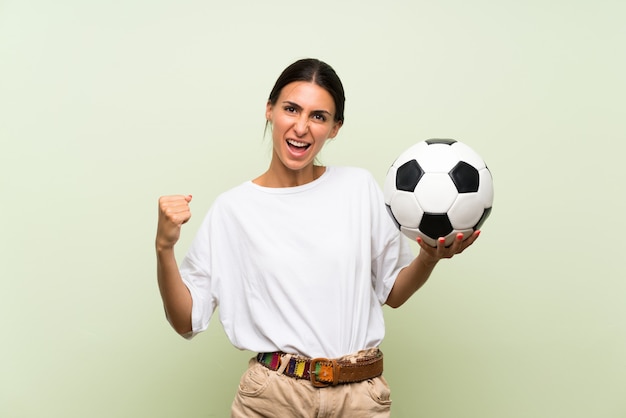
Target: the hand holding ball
(438, 188)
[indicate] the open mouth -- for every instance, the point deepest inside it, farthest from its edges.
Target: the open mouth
(297, 145)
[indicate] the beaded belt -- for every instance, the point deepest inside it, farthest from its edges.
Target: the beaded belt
(322, 371)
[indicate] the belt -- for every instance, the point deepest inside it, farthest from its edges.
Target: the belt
(322, 371)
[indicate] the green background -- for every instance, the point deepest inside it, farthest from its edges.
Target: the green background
(106, 105)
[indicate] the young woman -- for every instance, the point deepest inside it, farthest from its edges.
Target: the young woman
(300, 261)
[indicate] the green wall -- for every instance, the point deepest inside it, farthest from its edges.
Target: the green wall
(105, 105)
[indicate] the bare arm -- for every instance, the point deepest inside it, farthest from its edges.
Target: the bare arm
(173, 213)
(413, 276)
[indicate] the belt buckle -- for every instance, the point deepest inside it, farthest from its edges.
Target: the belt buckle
(324, 371)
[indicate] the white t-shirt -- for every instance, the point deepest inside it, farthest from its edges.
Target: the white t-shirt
(304, 270)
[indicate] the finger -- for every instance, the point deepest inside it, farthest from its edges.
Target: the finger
(441, 247)
(175, 211)
(429, 249)
(177, 202)
(175, 198)
(467, 242)
(456, 245)
(470, 240)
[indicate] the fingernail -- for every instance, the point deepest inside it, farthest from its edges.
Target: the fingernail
(442, 240)
(459, 235)
(419, 240)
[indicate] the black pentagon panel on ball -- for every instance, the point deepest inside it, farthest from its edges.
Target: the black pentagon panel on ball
(408, 175)
(465, 177)
(482, 219)
(435, 225)
(444, 141)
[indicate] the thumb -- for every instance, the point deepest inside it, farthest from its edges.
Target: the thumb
(188, 198)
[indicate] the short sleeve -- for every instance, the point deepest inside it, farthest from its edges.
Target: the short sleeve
(195, 271)
(390, 249)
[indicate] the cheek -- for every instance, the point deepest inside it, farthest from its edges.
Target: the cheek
(279, 131)
(322, 132)
(280, 122)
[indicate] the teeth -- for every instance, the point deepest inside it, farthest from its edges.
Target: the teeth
(297, 143)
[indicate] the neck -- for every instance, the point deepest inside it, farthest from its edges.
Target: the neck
(284, 177)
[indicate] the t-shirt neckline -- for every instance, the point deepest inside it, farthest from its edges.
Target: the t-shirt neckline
(293, 189)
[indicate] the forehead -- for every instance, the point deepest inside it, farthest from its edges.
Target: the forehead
(307, 94)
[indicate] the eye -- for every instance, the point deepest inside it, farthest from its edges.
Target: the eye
(319, 117)
(290, 109)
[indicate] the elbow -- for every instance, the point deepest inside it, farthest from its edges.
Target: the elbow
(394, 302)
(182, 327)
(184, 331)
(398, 296)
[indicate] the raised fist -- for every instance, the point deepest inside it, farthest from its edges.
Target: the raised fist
(173, 213)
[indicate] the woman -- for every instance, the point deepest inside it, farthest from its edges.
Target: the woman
(300, 261)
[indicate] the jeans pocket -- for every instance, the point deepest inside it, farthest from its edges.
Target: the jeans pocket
(254, 381)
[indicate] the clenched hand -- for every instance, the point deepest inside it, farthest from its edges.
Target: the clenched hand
(173, 213)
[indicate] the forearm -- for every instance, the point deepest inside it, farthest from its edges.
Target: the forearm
(413, 276)
(175, 295)
(410, 279)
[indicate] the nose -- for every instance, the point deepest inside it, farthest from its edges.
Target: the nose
(301, 126)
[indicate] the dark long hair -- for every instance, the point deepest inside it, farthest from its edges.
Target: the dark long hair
(314, 71)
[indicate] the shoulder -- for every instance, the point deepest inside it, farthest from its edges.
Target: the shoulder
(351, 173)
(230, 198)
(355, 178)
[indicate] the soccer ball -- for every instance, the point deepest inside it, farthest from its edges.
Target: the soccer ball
(438, 188)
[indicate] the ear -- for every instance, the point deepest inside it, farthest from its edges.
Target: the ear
(335, 129)
(268, 111)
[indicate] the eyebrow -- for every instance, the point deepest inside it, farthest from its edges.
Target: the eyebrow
(297, 106)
